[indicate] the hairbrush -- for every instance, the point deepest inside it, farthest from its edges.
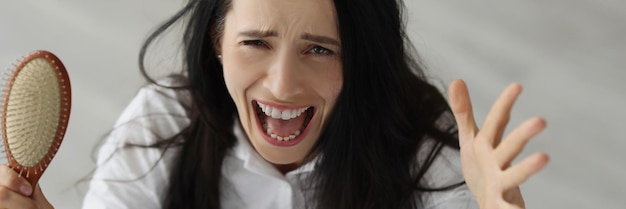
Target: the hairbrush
(34, 113)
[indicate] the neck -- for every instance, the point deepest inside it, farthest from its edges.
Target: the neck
(286, 168)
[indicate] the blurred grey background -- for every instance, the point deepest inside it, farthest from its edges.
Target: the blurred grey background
(569, 55)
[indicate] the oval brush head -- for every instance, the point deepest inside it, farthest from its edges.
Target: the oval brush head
(34, 113)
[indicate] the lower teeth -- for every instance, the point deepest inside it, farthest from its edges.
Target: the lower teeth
(282, 138)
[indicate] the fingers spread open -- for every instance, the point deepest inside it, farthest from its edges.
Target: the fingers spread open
(499, 115)
(516, 141)
(517, 174)
(11, 180)
(462, 110)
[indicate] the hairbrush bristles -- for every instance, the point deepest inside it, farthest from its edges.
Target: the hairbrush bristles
(35, 112)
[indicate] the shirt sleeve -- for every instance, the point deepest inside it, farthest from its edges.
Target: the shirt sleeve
(129, 177)
(445, 171)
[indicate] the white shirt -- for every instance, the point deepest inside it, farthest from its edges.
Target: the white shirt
(133, 177)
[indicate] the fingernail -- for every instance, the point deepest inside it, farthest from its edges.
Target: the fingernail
(26, 190)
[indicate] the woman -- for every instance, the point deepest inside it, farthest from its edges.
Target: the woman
(301, 104)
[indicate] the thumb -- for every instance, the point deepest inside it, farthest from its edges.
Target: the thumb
(40, 199)
(461, 106)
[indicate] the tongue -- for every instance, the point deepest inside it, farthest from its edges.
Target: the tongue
(282, 127)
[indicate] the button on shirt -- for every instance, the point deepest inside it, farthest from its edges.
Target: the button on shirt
(130, 177)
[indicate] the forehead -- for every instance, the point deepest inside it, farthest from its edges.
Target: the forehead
(284, 16)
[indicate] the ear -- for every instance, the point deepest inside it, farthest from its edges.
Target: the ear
(217, 42)
(217, 38)
(218, 51)
(217, 46)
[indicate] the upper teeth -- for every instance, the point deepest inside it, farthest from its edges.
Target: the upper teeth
(285, 114)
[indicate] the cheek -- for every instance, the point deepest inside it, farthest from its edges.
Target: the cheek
(330, 90)
(238, 77)
(242, 69)
(237, 82)
(232, 83)
(241, 79)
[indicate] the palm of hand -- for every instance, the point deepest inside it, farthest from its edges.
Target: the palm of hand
(485, 158)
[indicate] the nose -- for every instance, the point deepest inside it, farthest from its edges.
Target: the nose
(284, 78)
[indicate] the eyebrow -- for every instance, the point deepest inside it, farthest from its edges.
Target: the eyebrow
(305, 36)
(320, 39)
(258, 33)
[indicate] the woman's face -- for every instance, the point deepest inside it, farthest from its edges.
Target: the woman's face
(282, 68)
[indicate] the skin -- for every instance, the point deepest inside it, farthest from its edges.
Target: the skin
(283, 53)
(16, 192)
(287, 69)
(486, 158)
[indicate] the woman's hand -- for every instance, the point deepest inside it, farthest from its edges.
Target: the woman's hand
(486, 158)
(16, 192)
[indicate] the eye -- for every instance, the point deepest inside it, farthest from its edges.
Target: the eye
(321, 50)
(254, 43)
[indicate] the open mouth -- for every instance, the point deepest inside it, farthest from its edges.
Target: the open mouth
(283, 126)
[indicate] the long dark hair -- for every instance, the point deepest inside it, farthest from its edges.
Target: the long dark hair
(384, 114)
